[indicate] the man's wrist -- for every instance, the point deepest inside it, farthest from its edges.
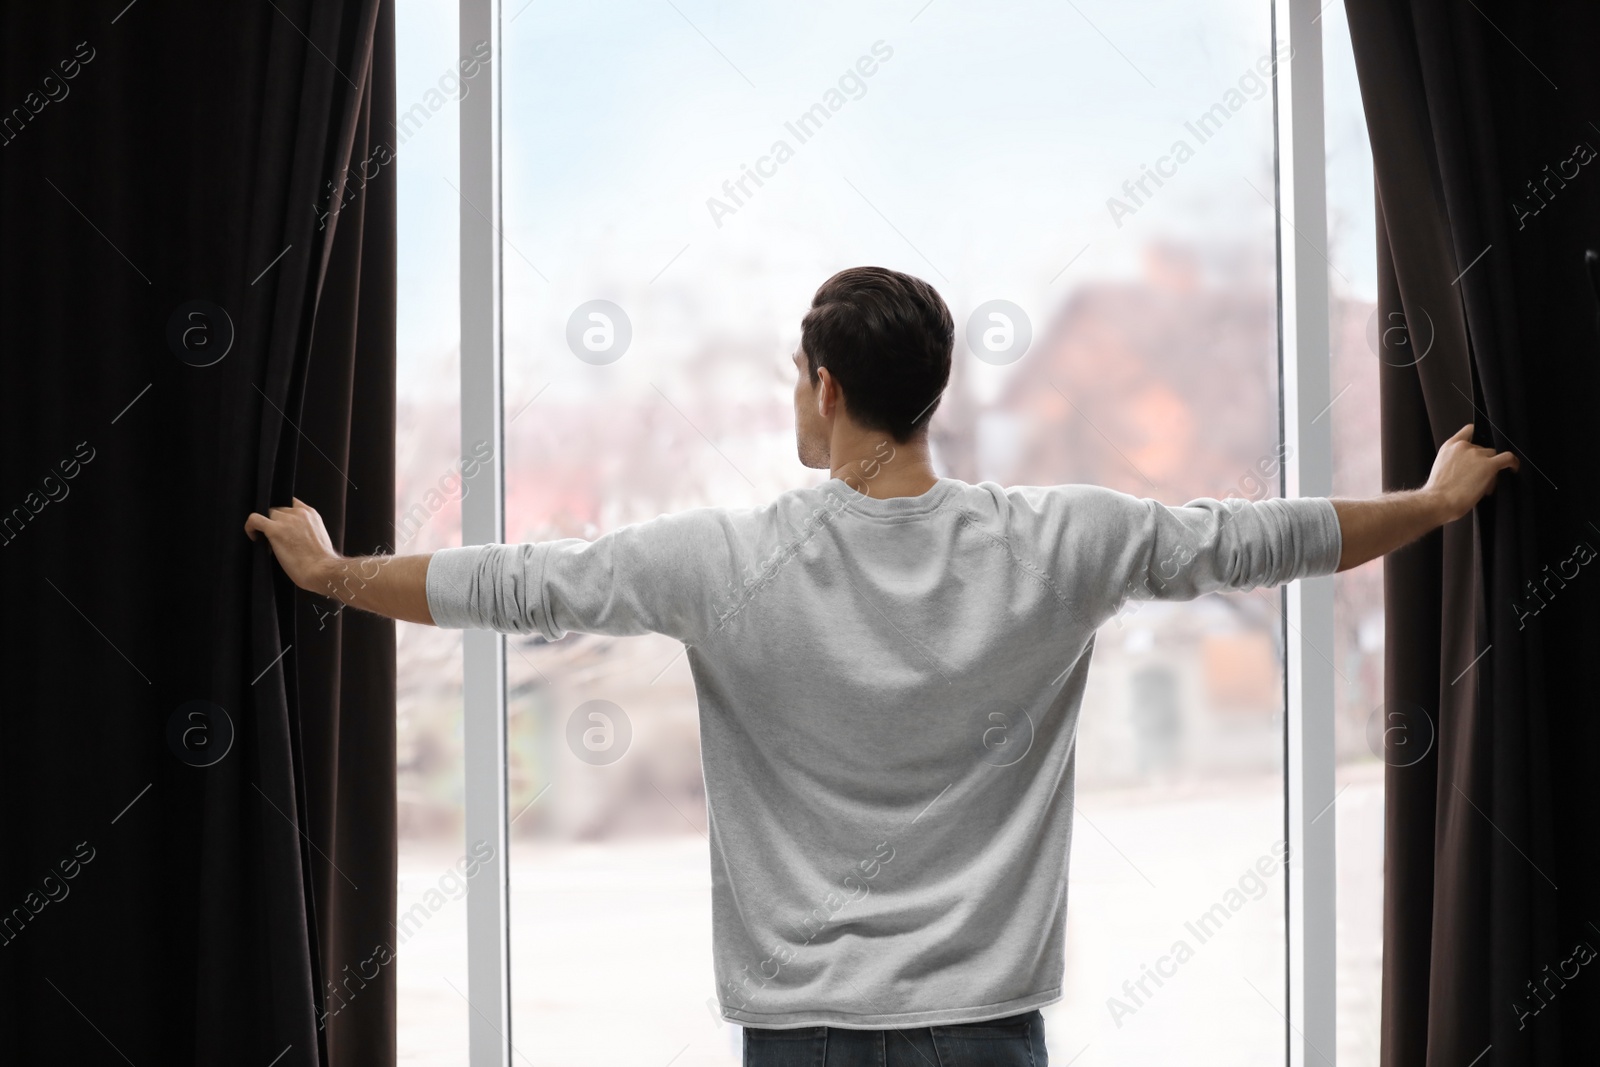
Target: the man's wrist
(1438, 506)
(325, 576)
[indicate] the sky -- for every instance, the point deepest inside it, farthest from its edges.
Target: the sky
(980, 153)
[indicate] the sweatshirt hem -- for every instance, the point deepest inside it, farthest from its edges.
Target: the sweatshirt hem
(845, 1020)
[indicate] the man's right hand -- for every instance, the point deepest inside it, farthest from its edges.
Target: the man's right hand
(1464, 473)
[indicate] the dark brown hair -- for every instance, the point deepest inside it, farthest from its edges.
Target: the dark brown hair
(886, 338)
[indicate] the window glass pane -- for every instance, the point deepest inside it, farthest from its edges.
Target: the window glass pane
(1106, 169)
(431, 932)
(1358, 594)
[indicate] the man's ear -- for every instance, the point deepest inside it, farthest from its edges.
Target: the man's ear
(829, 395)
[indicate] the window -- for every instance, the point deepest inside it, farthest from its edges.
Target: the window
(1094, 191)
(1358, 598)
(431, 927)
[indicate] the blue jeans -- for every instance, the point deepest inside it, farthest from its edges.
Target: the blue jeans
(1016, 1041)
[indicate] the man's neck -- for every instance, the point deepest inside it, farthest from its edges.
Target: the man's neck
(877, 465)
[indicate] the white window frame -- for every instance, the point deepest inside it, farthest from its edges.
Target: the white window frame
(1303, 346)
(1309, 987)
(483, 654)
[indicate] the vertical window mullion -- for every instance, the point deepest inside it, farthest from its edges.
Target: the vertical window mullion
(1308, 472)
(483, 521)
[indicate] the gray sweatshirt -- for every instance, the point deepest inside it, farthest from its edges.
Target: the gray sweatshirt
(889, 693)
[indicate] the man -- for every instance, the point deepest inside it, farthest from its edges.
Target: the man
(889, 668)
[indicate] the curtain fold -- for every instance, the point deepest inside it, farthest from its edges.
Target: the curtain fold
(197, 215)
(1483, 119)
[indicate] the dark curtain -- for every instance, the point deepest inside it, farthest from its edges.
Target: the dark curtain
(197, 239)
(1483, 119)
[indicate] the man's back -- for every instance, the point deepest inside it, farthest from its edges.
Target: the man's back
(889, 691)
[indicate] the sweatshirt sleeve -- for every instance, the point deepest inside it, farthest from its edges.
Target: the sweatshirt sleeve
(661, 576)
(1146, 550)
